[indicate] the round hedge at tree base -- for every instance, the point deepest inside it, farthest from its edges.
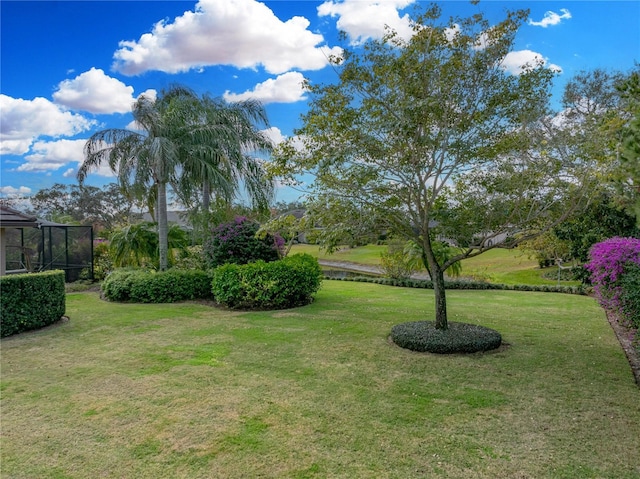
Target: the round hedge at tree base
(422, 336)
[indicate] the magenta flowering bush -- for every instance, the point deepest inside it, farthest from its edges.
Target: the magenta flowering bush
(607, 267)
(236, 242)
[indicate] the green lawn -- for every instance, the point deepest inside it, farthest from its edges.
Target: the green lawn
(496, 265)
(190, 391)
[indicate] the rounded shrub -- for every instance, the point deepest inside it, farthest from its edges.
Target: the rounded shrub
(282, 284)
(144, 286)
(423, 336)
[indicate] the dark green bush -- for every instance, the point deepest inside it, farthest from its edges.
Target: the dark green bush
(630, 294)
(423, 336)
(144, 286)
(31, 301)
(236, 242)
(282, 284)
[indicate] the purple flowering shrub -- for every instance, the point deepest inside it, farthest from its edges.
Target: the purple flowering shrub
(235, 242)
(607, 264)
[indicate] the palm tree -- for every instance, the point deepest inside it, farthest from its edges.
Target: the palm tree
(145, 160)
(184, 141)
(219, 159)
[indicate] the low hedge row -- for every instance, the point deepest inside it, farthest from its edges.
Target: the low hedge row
(286, 283)
(144, 286)
(426, 284)
(31, 301)
(281, 284)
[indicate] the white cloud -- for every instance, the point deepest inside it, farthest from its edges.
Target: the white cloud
(151, 94)
(243, 33)
(12, 191)
(22, 121)
(275, 135)
(452, 32)
(286, 88)
(95, 92)
(51, 155)
(517, 61)
(551, 18)
(363, 20)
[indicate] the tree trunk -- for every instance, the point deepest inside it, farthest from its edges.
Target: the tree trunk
(437, 277)
(436, 273)
(163, 227)
(206, 198)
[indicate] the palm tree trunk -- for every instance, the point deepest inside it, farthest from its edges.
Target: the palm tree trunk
(163, 228)
(206, 197)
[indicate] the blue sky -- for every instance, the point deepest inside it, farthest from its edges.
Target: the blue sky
(69, 69)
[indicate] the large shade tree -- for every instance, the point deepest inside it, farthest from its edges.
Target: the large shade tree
(176, 145)
(629, 148)
(435, 137)
(106, 207)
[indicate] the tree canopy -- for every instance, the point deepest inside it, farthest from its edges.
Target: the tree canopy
(435, 139)
(105, 207)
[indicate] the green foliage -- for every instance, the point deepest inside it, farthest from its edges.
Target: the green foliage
(630, 294)
(137, 245)
(31, 301)
(288, 227)
(546, 249)
(102, 259)
(236, 242)
(396, 262)
(602, 220)
(144, 286)
(423, 336)
(396, 265)
(442, 252)
(286, 283)
(190, 257)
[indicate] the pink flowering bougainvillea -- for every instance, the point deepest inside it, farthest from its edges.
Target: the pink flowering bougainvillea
(606, 265)
(236, 242)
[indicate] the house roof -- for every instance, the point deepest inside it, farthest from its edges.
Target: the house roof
(14, 218)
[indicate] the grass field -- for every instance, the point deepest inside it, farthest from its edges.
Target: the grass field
(496, 265)
(190, 391)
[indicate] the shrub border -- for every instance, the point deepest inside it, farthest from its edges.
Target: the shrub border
(470, 285)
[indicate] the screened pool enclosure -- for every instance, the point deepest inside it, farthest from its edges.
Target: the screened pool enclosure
(32, 245)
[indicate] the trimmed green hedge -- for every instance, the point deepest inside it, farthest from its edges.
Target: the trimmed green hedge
(282, 284)
(476, 285)
(423, 336)
(630, 294)
(144, 286)
(31, 301)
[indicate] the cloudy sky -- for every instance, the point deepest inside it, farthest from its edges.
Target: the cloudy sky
(69, 69)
